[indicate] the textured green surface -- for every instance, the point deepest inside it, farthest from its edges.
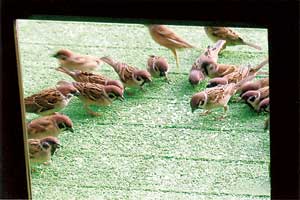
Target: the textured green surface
(150, 146)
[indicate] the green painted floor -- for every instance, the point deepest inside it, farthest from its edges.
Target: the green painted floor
(150, 146)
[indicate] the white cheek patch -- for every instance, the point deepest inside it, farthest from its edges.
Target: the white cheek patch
(205, 100)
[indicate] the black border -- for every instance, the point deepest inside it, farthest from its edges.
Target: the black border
(280, 17)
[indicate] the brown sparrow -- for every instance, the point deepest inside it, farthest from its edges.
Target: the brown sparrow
(50, 100)
(41, 150)
(231, 37)
(237, 75)
(264, 105)
(164, 36)
(95, 94)
(130, 76)
(158, 66)
(254, 85)
(207, 62)
(89, 77)
(51, 125)
(215, 97)
(73, 61)
(195, 76)
(254, 97)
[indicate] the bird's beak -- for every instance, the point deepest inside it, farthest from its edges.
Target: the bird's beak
(193, 110)
(77, 93)
(71, 129)
(121, 98)
(54, 55)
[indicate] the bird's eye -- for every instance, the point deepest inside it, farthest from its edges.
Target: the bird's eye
(61, 126)
(111, 96)
(252, 98)
(138, 78)
(45, 145)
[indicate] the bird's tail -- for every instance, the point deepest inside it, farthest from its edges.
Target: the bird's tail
(258, 67)
(111, 62)
(66, 71)
(241, 82)
(252, 45)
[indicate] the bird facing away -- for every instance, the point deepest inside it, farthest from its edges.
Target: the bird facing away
(207, 60)
(51, 125)
(166, 37)
(41, 150)
(237, 75)
(95, 94)
(74, 61)
(50, 100)
(89, 77)
(130, 76)
(215, 97)
(158, 66)
(231, 37)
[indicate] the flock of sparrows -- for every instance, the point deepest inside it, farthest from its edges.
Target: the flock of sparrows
(96, 89)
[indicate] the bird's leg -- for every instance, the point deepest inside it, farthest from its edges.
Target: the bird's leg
(142, 88)
(205, 113)
(167, 79)
(176, 57)
(225, 112)
(267, 124)
(89, 111)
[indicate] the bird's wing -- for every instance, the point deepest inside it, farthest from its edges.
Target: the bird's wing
(91, 91)
(215, 94)
(168, 34)
(45, 100)
(39, 125)
(224, 33)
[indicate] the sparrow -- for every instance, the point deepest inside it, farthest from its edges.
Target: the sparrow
(215, 97)
(50, 100)
(254, 97)
(90, 77)
(237, 75)
(95, 94)
(74, 61)
(51, 125)
(41, 150)
(164, 36)
(207, 62)
(158, 66)
(130, 76)
(196, 76)
(254, 85)
(264, 105)
(231, 37)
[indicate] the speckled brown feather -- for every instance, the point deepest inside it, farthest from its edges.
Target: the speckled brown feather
(231, 37)
(168, 38)
(48, 126)
(90, 77)
(44, 101)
